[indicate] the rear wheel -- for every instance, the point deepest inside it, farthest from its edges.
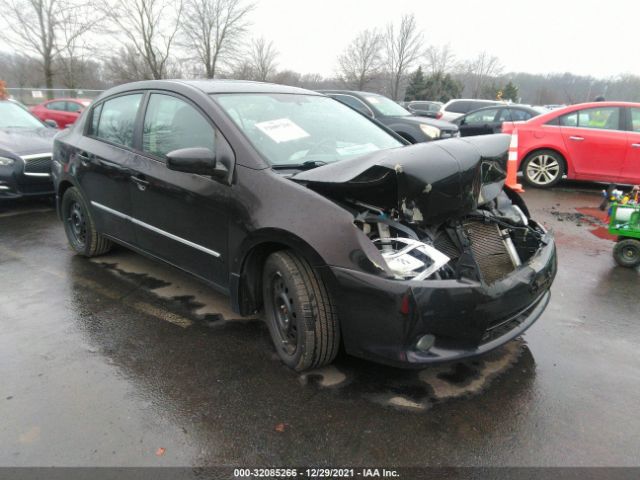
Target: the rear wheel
(627, 252)
(299, 312)
(543, 168)
(80, 227)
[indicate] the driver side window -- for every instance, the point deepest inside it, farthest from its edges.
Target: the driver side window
(171, 124)
(483, 116)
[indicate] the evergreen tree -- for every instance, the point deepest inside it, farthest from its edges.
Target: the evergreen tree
(416, 86)
(441, 87)
(510, 92)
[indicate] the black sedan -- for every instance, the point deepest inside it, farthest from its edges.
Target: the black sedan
(488, 120)
(423, 108)
(25, 153)
(409, 126)
(301, 208)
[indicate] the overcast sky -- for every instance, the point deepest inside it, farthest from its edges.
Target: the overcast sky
(588, 37)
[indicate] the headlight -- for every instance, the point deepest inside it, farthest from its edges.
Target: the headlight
(429, 131)
(6, 162)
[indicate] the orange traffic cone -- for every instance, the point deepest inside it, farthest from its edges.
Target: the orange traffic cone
(512, 164)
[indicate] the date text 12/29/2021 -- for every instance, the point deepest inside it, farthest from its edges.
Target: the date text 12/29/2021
(315, 473)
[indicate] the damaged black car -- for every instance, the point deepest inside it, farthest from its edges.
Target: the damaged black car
(300, 208)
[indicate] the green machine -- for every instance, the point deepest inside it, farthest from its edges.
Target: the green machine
(625, 223)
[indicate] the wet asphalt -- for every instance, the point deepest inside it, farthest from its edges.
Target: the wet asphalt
(123, 361)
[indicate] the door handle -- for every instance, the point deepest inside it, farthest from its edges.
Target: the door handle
(85, 160)
(141, 183)
(576, 139)
(635, 145)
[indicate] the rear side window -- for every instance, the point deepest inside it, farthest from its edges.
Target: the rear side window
(117, 119)
(171, 124)
(606, 118)
(635, 119)
(73, 107)
(458, 107)
(520, 115)
(59, 106)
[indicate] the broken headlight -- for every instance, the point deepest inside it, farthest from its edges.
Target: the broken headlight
(410, 259)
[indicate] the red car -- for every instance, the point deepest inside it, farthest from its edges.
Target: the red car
(597, 141)
(64, 111)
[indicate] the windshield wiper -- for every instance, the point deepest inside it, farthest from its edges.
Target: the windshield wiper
(308, 165)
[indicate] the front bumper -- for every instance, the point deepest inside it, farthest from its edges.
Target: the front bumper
(383, 319)
(16, 183)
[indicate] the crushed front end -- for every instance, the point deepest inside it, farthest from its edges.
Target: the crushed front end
(459, 266)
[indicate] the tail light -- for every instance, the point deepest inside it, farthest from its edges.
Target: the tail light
(439, 115)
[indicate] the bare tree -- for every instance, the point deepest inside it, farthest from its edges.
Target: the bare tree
(126, 65)
(403, 49)
(440, 60)
(361, 59)
(262, 59)
(213, 30)
(45, 28)
(480, 71)
(149, 27)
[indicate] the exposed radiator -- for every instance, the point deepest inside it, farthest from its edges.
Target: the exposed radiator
(489, 250)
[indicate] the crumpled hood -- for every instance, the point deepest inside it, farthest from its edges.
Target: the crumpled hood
(442, 179)
(24, 141)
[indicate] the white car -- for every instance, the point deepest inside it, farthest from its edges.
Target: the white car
(457, 107)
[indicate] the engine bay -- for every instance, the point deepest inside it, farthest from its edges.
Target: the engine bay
(485, 244)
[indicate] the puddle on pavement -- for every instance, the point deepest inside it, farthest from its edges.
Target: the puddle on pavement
(415, 390)
(594, 219)
(348, 377)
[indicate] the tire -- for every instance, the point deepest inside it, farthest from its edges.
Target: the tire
(626, 252)
(80, 227)
(543, 169)
(299, 312)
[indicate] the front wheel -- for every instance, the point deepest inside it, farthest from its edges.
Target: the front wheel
(80, 227)
(543, 169)
(627, 252)
(299, 312)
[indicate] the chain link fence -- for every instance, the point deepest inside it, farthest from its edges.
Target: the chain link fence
(34, 96)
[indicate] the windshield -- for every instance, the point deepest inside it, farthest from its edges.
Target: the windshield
(386, 106)
(303, 130)
(14, 116)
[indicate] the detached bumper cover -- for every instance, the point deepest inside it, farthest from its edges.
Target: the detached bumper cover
(466, 318)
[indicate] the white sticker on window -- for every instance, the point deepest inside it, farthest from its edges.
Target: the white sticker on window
(373, 100)
(281, 130)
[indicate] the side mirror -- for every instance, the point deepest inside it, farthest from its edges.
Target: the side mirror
(201, 161)
(51, 123)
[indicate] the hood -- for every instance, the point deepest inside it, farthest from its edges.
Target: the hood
(441, 124)
(24, 141)
(443, 179)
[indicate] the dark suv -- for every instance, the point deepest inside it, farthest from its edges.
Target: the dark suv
(297, 206)
(408, 125)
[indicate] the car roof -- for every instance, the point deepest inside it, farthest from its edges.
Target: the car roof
(217, 86)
